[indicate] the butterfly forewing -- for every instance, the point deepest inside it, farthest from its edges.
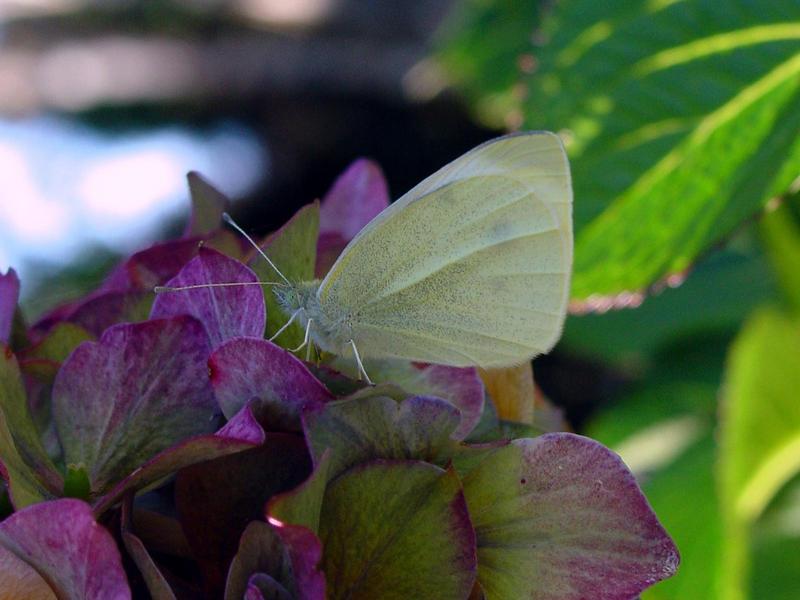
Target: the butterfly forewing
(469, 268)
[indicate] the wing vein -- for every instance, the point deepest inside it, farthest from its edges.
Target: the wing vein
(417, 280)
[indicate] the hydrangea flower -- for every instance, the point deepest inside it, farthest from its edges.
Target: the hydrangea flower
(162, 445)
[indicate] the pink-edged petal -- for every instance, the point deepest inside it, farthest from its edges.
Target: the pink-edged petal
(278, 383)
(152, 266)
(264, 587)
(560, 517)
(362, 429)
(305, 553)
(140, 389)
(462, 387)
(64, 544)
(9, 296)
(240, 433)
(20, 581)
(226, 312)
(98, 311)
(356, 197)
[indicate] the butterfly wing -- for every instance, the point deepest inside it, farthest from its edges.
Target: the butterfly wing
(470, 267)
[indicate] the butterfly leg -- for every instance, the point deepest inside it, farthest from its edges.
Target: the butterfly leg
(305, 339)
(285, 325)
(361, 370)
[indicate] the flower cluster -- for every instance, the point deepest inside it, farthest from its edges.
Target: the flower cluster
(161, 445)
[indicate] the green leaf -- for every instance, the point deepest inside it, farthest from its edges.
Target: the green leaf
(293, 249)
(681, 119)
(480, 36)
(397, 530)
(781, 236)
(737, 281)
(685, 499)
(685, 123)
(761, 415)
(776, 548)
(760, 439)
(32, 475)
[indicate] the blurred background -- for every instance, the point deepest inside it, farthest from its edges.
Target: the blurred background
(682, 120)
(106, 105)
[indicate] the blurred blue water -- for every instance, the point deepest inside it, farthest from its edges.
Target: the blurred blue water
(66, 187)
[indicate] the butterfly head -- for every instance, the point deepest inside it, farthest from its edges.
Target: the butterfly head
(287, 297)
(295, 296)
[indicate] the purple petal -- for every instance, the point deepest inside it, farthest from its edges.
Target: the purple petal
(305, 552)
(140, 389)
(99, 311)
(462, 387)
(245, 369)
(9, 296)
(356, 197)
(152, 266)
(264, 587)
(62, 541)
(560, 517)
(226, 312)
(329, 246)
(240, 433)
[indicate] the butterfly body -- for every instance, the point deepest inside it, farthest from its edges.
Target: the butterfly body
(330, 328)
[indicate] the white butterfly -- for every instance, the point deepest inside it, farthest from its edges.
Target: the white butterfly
(470, 267)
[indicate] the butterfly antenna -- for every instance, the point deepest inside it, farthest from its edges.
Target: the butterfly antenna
(160, 289)
(229, 220)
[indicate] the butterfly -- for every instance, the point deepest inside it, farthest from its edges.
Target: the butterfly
(469, 268)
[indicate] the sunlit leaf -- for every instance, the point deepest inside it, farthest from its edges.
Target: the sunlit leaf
(681, 120)
(760, 430)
